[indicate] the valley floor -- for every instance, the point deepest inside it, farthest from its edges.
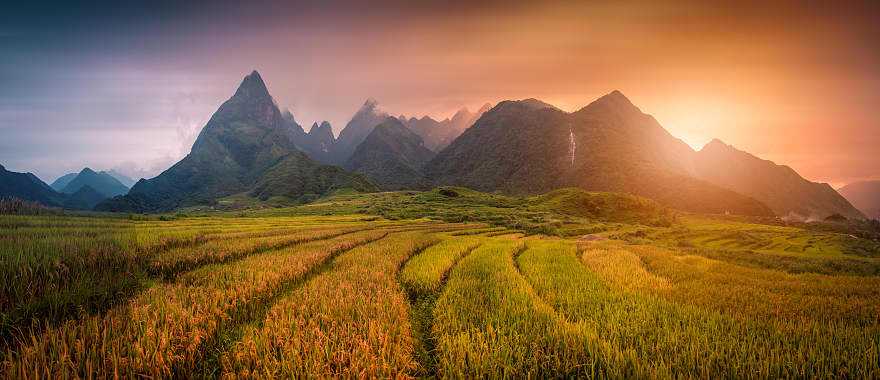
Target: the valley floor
(364, 296)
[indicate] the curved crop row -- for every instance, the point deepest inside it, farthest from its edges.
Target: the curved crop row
(163, 330)
(350, 321)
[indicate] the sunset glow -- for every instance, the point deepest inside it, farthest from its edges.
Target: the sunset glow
(796, 83)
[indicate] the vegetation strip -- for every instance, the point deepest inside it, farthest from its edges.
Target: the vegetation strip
(255, 315)
(620, 308)
(420, 270)
(169, 266)
(351, 321)
(164, 327)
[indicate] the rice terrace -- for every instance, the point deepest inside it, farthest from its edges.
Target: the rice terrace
(430, 189)
(490, 286)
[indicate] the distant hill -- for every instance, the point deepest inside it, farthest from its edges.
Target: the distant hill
(247, 146)
(62, 181)
(357, 130)
(28, 187)
(122, 178)
(531, 147)
(439, 134)
(102, 182)
(865, 196)
(777, 186)
(392, 156)
(85, 198)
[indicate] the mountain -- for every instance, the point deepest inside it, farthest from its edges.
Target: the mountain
(865, 196)
(28, 187)
(531, 147)
(85, 198)
(246, 145)
(439, 134)
(777, 186)
(319, 142)
(354, 133)
(299, 178)
(392, 156)
(101, 182)
(122, 178)
(62, 181)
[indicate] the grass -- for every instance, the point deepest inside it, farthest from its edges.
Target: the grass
(448, 283)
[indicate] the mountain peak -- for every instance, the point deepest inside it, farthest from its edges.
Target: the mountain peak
(324, 130)
(370, 104)
(716, 142)
(718, 145)
(87, 170)
(614, 101)
(252, 86)
(463, 112)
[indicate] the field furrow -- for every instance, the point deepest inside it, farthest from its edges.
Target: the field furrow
(423, 276)
(168, 264)
(614, 297)
(350, 321)
(487, 322)
(163, 330)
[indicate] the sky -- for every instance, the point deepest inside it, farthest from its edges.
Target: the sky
(128, 85)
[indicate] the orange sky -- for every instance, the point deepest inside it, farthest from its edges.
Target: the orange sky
(788, 81)
(797, 86)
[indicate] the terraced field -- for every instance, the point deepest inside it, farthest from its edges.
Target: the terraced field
(362, 296)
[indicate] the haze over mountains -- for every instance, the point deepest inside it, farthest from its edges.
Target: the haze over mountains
(77, 191)
(251, 148)
(102, 182)
(865, 196)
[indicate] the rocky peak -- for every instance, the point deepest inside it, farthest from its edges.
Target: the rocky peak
(485, 108)
(287, 115)
(252, 86)
(323, 129)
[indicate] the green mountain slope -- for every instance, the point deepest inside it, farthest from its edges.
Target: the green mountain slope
(392, 156)
(299, 178)
(28, 187)
(62, 181)
(530, 147)
(85, 198)
(246, 144)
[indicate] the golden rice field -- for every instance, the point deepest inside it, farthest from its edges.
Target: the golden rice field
(361, 296)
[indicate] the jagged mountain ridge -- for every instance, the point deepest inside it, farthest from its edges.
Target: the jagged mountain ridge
(392, 156)
(439, 134)
(246, 142)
